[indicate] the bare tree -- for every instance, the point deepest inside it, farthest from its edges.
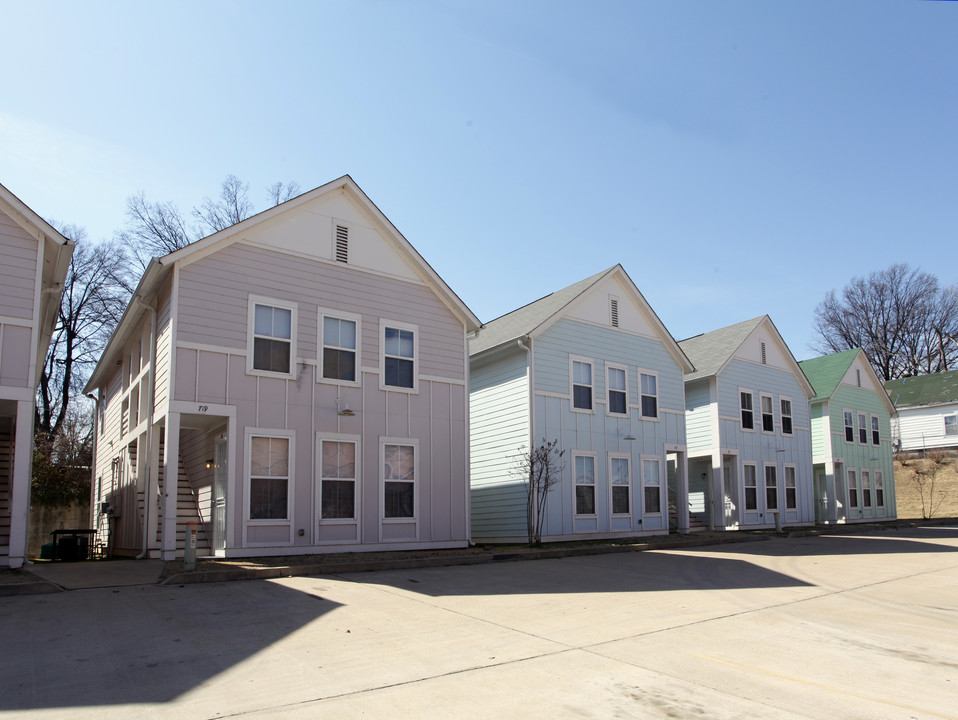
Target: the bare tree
(542, 467)
(925, 474)
(278, 193)
(92, 303)
(61, 462)
(901, 317)
(233, 206)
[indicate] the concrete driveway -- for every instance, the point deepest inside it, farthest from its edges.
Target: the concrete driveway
(820, 627)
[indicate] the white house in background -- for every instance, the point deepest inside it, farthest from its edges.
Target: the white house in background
(750, 454)
(927, 408)
(34, 259)
(593, 367)
(295, 383)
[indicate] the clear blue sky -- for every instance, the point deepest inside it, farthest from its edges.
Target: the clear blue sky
(738, 157)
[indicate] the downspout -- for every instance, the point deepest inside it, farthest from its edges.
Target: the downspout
(531, 502)
(147, 499)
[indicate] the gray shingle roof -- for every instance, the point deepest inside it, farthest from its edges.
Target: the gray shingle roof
(523, 321)
(710, 351)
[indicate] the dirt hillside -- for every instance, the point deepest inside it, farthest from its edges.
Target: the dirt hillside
(917, 478)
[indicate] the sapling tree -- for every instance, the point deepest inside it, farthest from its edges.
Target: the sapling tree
(542, 467)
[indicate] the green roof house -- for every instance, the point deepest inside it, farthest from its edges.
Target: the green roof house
(851, 439)
(927, 408)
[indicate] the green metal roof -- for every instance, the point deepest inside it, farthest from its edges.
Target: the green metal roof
(920, 390)
(824, 373)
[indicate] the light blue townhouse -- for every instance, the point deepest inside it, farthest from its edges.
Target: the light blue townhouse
(594, 368)
(748, 429)
(851, 440)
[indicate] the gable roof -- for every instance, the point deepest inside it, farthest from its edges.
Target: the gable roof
(57, 251)
(159, 268)
(936, 389)
(825, 374)
(710, 352)
(536, 317)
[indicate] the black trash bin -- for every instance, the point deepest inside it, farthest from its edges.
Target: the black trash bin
(68, 548)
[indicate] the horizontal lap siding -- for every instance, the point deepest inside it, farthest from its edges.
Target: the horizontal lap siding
(499, 426)
(698, 416)
(214, 291)
(164, 345)
(18, 270)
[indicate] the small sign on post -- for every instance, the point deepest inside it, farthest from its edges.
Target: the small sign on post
(189, 551)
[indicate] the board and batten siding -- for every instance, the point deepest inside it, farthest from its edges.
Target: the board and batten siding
(499, 426)
(768, 448)
(210, 351)
(599, 433)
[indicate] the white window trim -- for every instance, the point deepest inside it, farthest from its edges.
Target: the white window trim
(845, 426)
(624, 369)
(741, 425)
(414, 329)
(357, 496)
(944, 425)
(848, 489)
(761, 411)
(290, 479)
(658, 395)
(865, 474)
(383, 442)
(794, 469)
(871, 430)
(758, 506)
(663, 491)
(778, 489)
(252, 302)
(628, 459)
(591, 364)
(595, 483)
(358, 319)
(879, 483)
(867, 428)
(790, 416)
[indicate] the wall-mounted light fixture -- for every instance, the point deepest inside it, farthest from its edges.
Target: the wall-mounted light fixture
(342, 408)
(210, 464)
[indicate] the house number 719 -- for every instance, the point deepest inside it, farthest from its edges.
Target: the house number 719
(202, 408)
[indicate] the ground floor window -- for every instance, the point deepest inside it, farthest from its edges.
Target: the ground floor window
(652, 479)
(751, 487)
(269, 478)
(399, 480)
(337, 470)
(866, 489)
(584, 485)
(879, 489)
(791, 491)
(771, 487)
(852, 489)
(621, 486)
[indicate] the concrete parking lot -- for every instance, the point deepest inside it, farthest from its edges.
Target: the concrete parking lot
(849, 626)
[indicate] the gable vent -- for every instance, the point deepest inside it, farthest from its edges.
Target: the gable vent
(614, 311)
(764, 358)
(342, 243)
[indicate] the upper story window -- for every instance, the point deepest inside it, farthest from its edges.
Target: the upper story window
(399, 356)
(768, 414)
(340, 337)
(272, 342)
(849, 426)
(951, 424)
(876, 432)
(581, 385)
(650, 395)
(786, 405)
(862, 428)
(618, 390)
(745, 402)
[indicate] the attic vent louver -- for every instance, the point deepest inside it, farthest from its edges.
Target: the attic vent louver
(763, 355)
(614, 311)
(342, 244)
